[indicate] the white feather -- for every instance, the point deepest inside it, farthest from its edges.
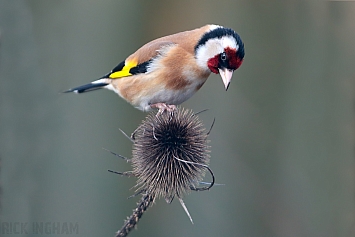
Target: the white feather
(104, 80)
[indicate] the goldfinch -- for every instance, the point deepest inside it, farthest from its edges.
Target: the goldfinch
(169, 70)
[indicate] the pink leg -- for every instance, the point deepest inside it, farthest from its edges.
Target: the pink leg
(163, 107)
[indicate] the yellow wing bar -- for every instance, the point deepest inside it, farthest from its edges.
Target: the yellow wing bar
(125, 70)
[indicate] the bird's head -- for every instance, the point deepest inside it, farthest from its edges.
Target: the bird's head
(220, 50)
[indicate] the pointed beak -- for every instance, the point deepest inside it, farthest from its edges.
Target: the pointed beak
(226, 75)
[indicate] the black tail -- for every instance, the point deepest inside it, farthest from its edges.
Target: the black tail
(87, 87)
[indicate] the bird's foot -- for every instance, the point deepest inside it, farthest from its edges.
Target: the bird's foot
(163, 107)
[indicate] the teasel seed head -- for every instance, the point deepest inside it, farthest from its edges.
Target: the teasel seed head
(170, 154)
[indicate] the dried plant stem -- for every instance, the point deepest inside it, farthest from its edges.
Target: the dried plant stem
(146, 201)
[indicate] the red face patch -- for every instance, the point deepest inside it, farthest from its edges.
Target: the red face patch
(234, 61)
(212, 64)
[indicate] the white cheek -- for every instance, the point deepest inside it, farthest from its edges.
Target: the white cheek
(207, 51)
(213, 47)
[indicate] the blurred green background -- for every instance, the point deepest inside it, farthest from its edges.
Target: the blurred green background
(283, 142)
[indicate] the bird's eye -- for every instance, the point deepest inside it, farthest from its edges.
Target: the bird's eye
(223, 56)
